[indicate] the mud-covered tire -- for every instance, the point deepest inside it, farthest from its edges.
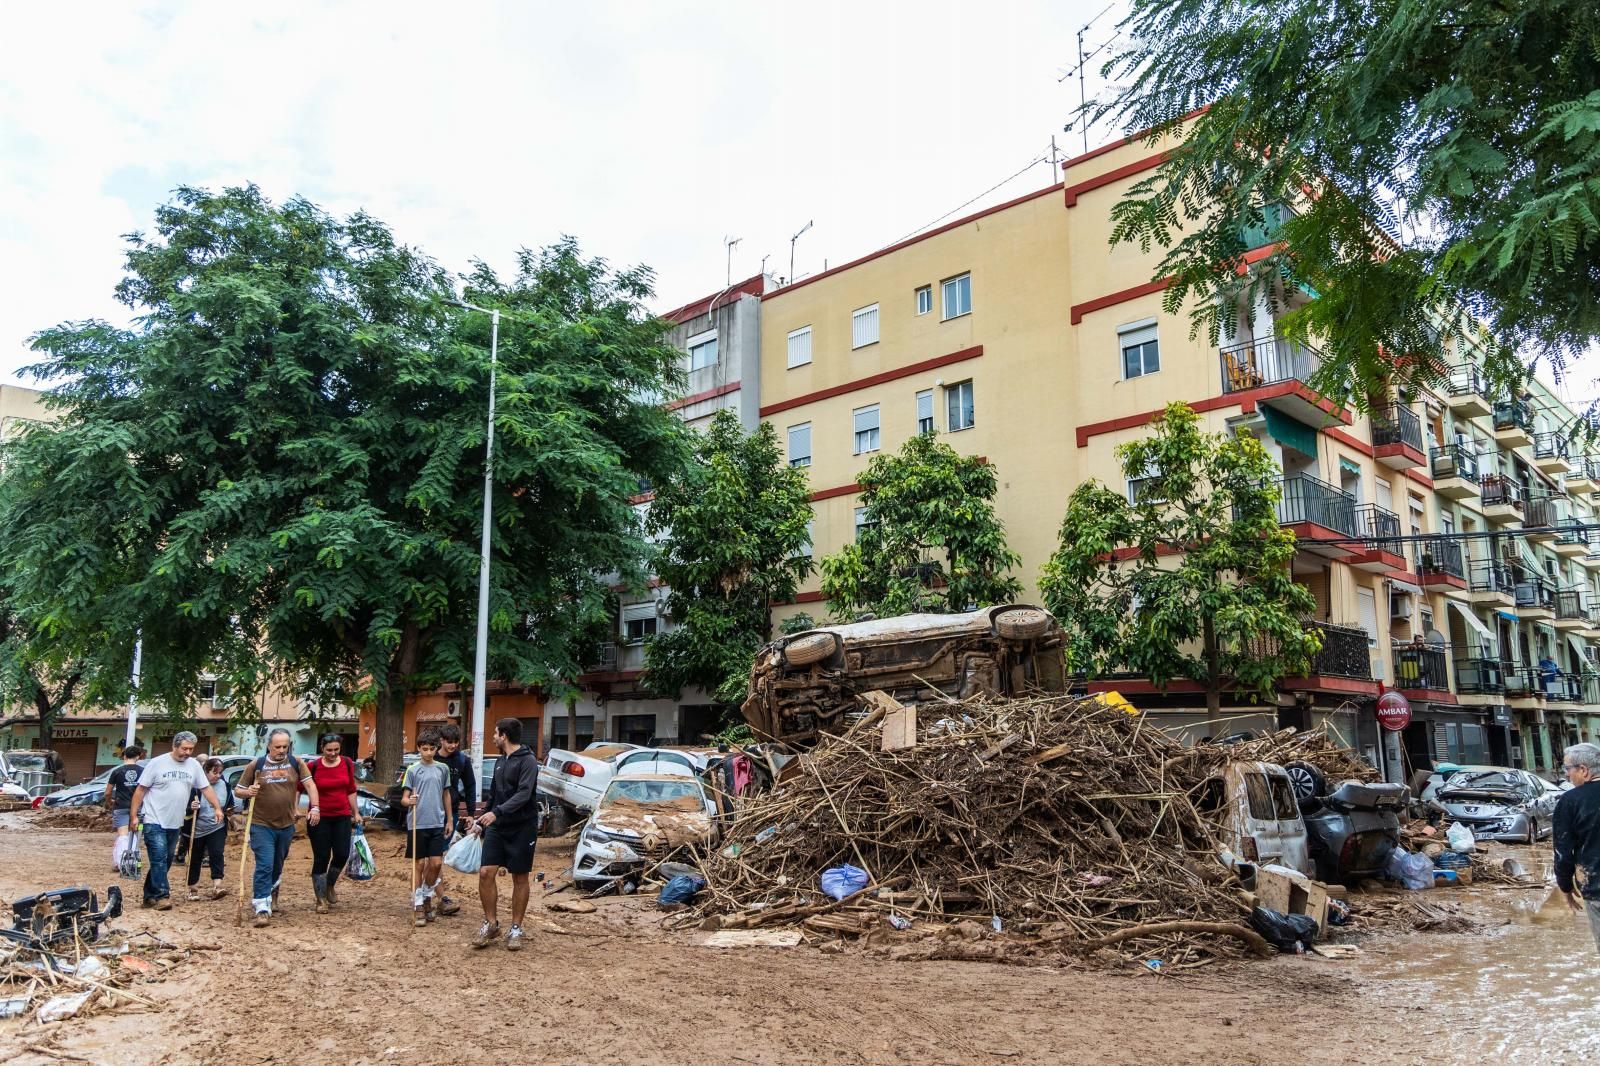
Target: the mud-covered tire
(1310, 784)
(1025, 623)
(808, 649)
(558, 821)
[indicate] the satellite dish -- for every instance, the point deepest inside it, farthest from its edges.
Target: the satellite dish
(1435, 638)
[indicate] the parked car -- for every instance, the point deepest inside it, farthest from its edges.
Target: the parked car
(1352, 830)
(89, 794)
(577, 780)
(1254, 803)
(1499, 803)
(810, 682)
(31, 770)
(641, 818)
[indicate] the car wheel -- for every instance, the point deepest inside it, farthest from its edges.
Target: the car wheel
(1533, 831)
(808, 649)
(1022, 624)
(559, 820)
(1309, 782)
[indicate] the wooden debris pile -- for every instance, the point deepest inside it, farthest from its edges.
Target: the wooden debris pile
(1337, 762)
(1057, 820)
(38, 987)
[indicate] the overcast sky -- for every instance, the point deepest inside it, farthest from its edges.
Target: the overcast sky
(650, 131)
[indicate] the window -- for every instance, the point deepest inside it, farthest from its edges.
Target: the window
(800, 347)
(924, 412)
(861, 521)
(208, 690)
(866, 421)
(1367, 611)
(957, 296)
(958, 406)
(638, 622)
(800, 445)
(924, 299)
(864, 327)
(703, 350)
(1141, 351)
(804, 550)
(1142, 489)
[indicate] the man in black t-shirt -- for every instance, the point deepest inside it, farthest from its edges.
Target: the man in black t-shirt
(119, 798)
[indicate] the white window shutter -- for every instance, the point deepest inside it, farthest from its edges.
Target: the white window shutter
(864, 327)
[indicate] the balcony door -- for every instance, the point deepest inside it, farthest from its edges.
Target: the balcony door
(1367, 606)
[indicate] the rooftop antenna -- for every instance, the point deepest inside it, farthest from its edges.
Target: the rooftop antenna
(796, 237)
(730, 243)
(1083, 63)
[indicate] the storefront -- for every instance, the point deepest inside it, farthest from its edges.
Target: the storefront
(89, 745)
(429, 710)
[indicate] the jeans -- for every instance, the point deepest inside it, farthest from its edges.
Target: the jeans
(159, 843)
(270, 847)
(330, 845)
(208, 849)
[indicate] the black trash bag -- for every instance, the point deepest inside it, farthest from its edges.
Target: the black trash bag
(1285, 931)
(681, 889)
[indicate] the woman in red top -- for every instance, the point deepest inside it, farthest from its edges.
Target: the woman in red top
(335, 776)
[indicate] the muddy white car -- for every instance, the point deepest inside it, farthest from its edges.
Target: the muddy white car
(640, 819)
(1499, 803)
(808, 683)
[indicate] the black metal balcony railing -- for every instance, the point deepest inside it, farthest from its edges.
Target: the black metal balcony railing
(1535, 594)
(1542, 509)
(1551, 446)
(1396, 424)
(1561, 686)
(1573, 531)
(1589, 687)
(1308, 499)
(1380, 526)
(1519, 680)
(1346, 651)
(1454, 460)
(1266, 361)
(1499, 490)
(1441, 555)
(1569, 605)
(1479, 676)
(1589, 467)
(1421, 667)
(1486, 575)
(1466, 380)
(1513, 414)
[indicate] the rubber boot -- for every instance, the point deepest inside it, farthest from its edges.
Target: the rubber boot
(327, 891)
(319, 885)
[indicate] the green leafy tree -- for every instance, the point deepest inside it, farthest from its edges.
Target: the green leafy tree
(734, 538)
(1192, 580)
(1443, 159)
(929, 541)
(278, 472)
(797, 623)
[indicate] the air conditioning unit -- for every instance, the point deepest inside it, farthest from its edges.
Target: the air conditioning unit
(452, 708)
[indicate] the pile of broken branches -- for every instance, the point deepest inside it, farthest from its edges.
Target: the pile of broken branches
(1066, 821)
(1337, 762)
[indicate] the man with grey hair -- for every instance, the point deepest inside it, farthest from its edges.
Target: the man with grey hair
(1577, 831)
(273, 782)
(162, 797)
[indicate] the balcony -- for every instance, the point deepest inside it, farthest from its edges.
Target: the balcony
(1502, 499)
(1591, 558)
(1346, 655)
(1589, 686)
(1479, 677)
(1397, 437)
(1552, 453)
(1560, 686)
(1541, 514)
(1535, 598)
(1467, 394)
(1420, 667)
(1584, 477)
(1383, 551)
(1571, 616)
(1313, 509)
(1513, 423)
(1264, 361)
(1572, 539)
(1491, 584)
(1440, 561)
(1455, 471)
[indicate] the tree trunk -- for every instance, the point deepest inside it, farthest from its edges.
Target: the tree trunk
(391, 729)
(47, 716)
(572, 723)
(1213, 672)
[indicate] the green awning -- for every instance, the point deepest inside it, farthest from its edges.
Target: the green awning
(1290, 432)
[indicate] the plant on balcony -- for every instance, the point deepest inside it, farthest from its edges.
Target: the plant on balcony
(929, 540)
(1193, 579)
(279, 470)
(1450, 153)
(734, 539)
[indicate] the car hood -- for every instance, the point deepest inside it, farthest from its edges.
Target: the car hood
(1478, 804)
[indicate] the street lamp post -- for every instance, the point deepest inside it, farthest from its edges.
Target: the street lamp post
(480, 665)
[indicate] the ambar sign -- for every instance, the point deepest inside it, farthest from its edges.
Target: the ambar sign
(1394, 711)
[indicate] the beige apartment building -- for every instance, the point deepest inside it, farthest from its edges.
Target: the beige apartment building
(1018, 334)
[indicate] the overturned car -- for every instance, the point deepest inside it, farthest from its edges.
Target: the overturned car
(804, 684)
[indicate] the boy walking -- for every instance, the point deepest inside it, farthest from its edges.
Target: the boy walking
(119, 797)
(425, 789)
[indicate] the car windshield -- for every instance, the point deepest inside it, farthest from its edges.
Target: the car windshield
(684, 794)
(1483, 781)
(29, 761)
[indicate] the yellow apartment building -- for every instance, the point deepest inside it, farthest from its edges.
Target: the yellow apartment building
(1020, 335)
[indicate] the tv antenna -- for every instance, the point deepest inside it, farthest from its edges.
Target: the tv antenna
(730, 243)
(1082, 72)
(792, 240)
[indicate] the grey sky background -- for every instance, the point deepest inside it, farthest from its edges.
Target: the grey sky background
(650, 131)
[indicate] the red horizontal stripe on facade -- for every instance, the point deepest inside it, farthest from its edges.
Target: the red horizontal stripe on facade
(1127, 170)
(1111, 425)
(702, 397)
(873, 379)
(1129, 139)
(1114, 298)
(837, 490)
(749, 286)
(800, 597)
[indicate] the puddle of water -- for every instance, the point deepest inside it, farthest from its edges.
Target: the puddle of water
(1523, 993)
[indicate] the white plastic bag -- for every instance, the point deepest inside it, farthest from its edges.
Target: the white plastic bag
(1459, 837)
(361, 867)
(465, 854)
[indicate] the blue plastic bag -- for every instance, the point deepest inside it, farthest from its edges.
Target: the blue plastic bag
(681, 889)
(842, 881)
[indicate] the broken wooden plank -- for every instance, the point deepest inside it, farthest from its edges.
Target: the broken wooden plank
(753, 938)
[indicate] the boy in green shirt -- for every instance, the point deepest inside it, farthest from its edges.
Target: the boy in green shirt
(425, 788)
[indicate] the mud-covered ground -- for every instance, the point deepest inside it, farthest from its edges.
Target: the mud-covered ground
(362, 985)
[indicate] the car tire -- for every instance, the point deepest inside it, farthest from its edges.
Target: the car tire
(1533, 831)
(809, 648)
(1310, 784)
(559, 821)
(1024, 623)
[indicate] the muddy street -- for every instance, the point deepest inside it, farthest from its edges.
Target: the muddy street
(361, 985)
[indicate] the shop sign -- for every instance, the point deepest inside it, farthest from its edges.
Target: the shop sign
(1501, 714)
(79, 732)
(1394, 711)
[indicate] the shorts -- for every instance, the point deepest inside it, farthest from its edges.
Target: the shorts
(430, 843)
(511, 846)
(119, 819)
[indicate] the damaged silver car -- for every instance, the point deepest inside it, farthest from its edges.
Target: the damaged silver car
(1498, 803)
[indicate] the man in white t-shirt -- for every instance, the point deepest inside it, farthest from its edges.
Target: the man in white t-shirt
(159, 804)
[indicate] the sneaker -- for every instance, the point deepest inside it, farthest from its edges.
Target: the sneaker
(448, 907)
(147, 903)
(262, 918)
(488, 933)
(194, 895)
(514, 938)
(430, 910)
(419, 916)
(217, 891)
(164, 903)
